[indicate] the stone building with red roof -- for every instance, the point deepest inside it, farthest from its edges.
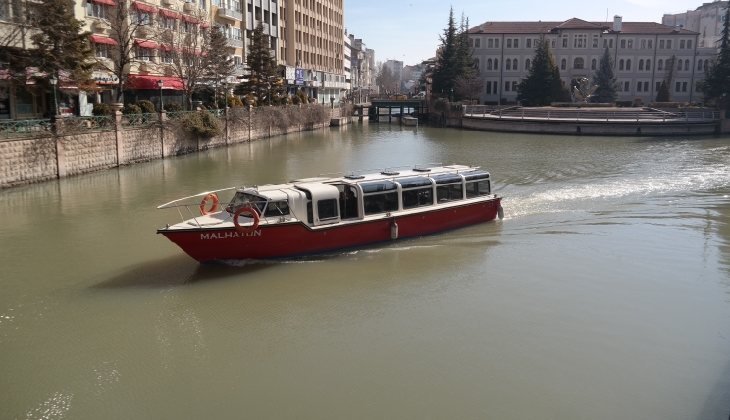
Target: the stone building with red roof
(503, 52)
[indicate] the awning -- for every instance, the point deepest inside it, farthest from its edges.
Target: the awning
(190, 19)
(204, 25)
(169, 14)
(145, 44)
(144, 7)
(109, 2)
(102, 40)
(150, 82)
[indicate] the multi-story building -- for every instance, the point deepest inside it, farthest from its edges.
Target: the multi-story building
(503, 51)
(314, 47)
(706, 19)
(346, 63)
(396, 68)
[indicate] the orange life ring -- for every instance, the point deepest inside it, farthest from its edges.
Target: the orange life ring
(211, 196)
(240, 229)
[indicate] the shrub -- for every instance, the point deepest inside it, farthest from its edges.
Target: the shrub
(131, 109)
(146, 106)
(101, 109)
(624, 104)
(173, 106)
(202, 124)
(234, 102)
(440, 104)
(638, 101)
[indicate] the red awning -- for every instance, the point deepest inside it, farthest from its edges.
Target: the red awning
(102, 40)
(204, 25)
(169, 14)
(109, 2)
(150, 82)
(190, 19)
(145, 8)
(145, 44)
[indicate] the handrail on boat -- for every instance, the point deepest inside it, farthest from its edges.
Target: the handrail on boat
(164, 206)
(386, 169)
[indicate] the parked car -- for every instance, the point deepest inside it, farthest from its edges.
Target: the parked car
(398, 97)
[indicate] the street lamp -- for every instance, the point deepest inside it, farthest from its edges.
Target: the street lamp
(451, 97)
(54, 81)
(160, 83)
(268, 95)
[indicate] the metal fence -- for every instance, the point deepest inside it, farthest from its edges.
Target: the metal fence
(176, 115)
(535, 114)
(24, 128)
(81, 124)
(139, 120)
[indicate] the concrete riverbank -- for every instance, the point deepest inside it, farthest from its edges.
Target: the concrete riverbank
(81, 145)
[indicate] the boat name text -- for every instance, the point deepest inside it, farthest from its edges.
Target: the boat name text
(224, 235)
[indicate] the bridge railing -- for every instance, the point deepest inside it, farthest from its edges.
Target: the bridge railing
(595, 116)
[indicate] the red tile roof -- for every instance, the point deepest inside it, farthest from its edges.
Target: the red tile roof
(631, 28)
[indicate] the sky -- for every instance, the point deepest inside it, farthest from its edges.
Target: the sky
(408, 30)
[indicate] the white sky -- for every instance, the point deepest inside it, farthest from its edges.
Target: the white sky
(408, 30)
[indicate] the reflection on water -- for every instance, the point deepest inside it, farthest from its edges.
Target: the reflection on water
(603, 294)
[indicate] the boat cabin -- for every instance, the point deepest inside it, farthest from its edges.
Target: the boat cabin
(324, 201)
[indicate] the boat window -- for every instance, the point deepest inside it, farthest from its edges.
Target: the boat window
(417, 197)
(446, 178)
(372, 187)
(381, 203)
(470, 176)
(277, 208)
(348, 201)
(477, 188)
(242, 199)
(450, 192)
(327, 209)
(414, 182)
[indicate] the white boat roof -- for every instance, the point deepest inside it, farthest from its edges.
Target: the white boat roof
(279, 191)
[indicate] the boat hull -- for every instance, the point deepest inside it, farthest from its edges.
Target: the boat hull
(290, 239)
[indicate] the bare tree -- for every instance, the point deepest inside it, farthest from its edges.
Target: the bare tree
(385, 78)
(129, 26)
(469, 86)
(184, 46)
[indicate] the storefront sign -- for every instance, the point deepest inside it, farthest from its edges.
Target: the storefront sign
(105, 78)
(299, 76)
(290, 73)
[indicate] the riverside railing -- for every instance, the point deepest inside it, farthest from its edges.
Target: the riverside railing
(140, 120)
(650, 115)
(10, 129)
(81, 124)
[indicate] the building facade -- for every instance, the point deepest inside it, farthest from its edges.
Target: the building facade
(707, 20)
(504, 50)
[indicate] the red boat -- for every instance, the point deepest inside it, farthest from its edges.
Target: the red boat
(312, 215)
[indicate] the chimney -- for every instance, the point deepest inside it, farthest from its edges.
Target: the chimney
(481, 28)
(617, 23)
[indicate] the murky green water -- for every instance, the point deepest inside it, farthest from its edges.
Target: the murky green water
(604, 294)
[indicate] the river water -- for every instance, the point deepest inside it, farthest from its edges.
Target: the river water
(603, 294)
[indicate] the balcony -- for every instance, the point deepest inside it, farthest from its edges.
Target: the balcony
(234, 43)
(239, 71)
(274, 31)
(229, 14)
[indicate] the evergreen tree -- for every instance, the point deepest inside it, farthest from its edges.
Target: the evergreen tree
(663, 94)
(543, 84)
(605, 80)
(717, 76)
(669, 74)
(444, 74)
(261, 67)
(219, 65)
(62, 48)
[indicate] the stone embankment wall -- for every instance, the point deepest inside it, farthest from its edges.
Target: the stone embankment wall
(52, 155)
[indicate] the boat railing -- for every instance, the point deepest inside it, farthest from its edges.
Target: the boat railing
(179, 204)
(389, 168)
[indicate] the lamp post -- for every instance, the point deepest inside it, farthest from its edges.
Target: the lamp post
(160, 83)
(451, 97)
(268, 95)
(54, 81)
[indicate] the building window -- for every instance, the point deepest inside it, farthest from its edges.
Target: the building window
(684, 86)
(627, 88)
(621, 64)
(489, 88)
(93, 9)
(623, 43)
(528, 43)
(517, 43)
(102, 51)
(509, 42)
(143, 54)
(648, 65)
(681, 44)
(595, 41)
(677, 86)
(628, 65)
(496, 63)
(686, 65)
(641, 65)
(506, 86)
(565, 41)
(658, 85)
(496, 43)
(660, 65)
(651, 43)
(669, 44)
(166, 57)
(631, 44)
(489, 64)
(495, 87)
(643, 44)
(707, 63)
(478, 43)
(646, 86)
(699, 65)
(514, 86)
(689, 44)
(610, 43)
(490, 43)
(593, 64)
(578, 63)
(553, 43)
(527, 64)
(679, 65)
(605, 43)
(638, 87)
(141, 18)
(661, 44)
(580, 41)
(508, 64)
(563, 64)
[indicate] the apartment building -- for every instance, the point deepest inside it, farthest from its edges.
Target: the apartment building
(313, 48)
(503, 51)
(707, 20)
